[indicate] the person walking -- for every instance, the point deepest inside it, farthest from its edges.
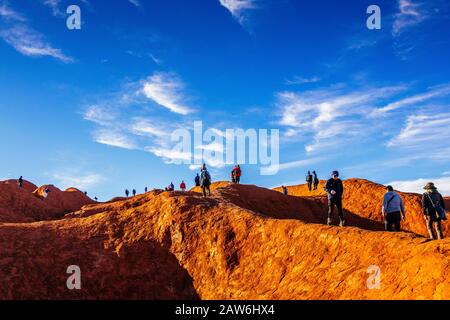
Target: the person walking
(134, 192)
(127, 193)
(197, 180)
(433, 205)
(285, 190)
(183, 186)
(205, 181)
(393, 210)
(315, 180)
(309, 180)
(335, 190)
(20, 182)
(146, 189)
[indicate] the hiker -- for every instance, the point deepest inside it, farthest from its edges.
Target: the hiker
(197, 180)
(46, 192)
(315, 180)
(335, 190)
(309, 180)
(285, 190)
(434, 210)
(205, 181)
(127, 193)
(146, 189)
(236, 174)
(183, 186)
(393, 210)
(85, 193)
(95, 198)
(134, 192)
(20, 182)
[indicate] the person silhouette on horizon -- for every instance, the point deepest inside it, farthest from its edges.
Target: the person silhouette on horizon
(309, 180)
(127, 193)
(197, 180)
(20, 182)
(205, 181)
(315, 180)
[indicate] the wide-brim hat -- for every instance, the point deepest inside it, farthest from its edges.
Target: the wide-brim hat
(430, 186)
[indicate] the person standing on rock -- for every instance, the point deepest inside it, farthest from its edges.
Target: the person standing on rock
(197, 180)
(127, 193)
(20, 182)
(183, 186)
(315, 180)
(433, 205)
(309, 180)
(134, 192)
(146, 189)
(285, 190)
(236, 174)
(205, 181)
(393, 210)
(335, 190)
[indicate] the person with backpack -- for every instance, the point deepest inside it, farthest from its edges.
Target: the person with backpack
(335, 190)
(197, 180)
(183, 186)
(20, 182)
(309, 180)
(393, 210)
(205, 181)
(127, 193)
(236, 174)
(433, 205)
(315, 180)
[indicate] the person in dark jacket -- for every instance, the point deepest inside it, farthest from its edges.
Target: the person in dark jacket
(335, 190)
(20, 182)
(315, 180)
(205, 181)
(127, 193)
(393, 210)
(432, 204)
(309, 180)
(197, 180)
(134, 192)
(285, 190)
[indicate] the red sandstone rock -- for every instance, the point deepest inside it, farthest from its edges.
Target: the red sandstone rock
(243, 242)
(27, 204)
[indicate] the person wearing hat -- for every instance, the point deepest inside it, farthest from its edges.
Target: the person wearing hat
(335, 190)
(393, 210)
(434, 210)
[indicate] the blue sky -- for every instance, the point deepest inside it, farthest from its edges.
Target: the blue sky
(94, 108)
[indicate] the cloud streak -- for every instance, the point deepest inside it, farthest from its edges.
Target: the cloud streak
(239, 8)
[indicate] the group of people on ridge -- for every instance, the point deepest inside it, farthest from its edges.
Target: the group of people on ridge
(393, 209)
(312, 180)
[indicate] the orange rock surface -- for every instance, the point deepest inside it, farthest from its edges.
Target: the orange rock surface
(27, 204)
(243, 242)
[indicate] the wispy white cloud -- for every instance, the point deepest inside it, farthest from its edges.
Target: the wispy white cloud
(294, 164)
(332, 115)
(31, 43)
(436, 92)
(429, 133)
(302, 80)
(79, 181)
(24, 39)
(239, 8)
(416, 186)
(114, 138)
(410, 14)
(168, 91)
(137, 3)
(9, 14)
(54, 6)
